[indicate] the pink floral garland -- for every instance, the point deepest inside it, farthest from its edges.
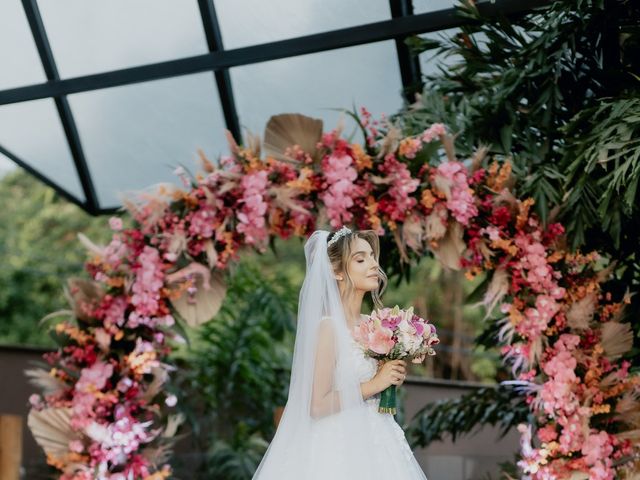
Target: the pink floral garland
(125, 317)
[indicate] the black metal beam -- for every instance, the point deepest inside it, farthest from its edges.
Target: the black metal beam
(62, 105)
(409, 64)
(347, 37)
(44, 179)
(223, 80)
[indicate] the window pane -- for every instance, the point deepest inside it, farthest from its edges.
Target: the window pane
(313, 84)
(251, 22)
(424, 6)
(92, 37)
(6, 165)
(430, 61)
(136, 135)
(32, 131)
(18, 55)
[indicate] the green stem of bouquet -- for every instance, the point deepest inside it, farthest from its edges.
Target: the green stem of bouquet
(388, 400)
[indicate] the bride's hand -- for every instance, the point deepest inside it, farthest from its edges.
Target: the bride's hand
(392, 372)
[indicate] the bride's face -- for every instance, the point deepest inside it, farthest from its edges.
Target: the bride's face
(362, 266)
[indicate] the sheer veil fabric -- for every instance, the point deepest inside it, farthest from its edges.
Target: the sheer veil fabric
(326, 430)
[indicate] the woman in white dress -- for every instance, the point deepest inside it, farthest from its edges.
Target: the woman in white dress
(330, 428)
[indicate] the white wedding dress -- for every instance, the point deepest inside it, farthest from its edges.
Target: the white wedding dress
(327, 430)
(392, 457)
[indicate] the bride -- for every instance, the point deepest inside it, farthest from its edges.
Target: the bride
(330, 428)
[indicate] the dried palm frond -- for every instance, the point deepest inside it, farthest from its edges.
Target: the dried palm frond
(287, 130)
(160, 377)
(205, 303)
(89, 245)
(52, 430)
(497, 289)
(173, 423)
(39, 377)
(477, 158)
(604, 274)
(451, 247)
(617, 339)
(581, 312)
(285, 198)
(628, 408)
(447, 143)
(390, 142)
(82, 294)
(413, 233)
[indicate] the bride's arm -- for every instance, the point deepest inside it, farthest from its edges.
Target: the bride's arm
(324, 400)
(370, 388)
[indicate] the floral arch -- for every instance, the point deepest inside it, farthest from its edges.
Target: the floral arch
(103, 408)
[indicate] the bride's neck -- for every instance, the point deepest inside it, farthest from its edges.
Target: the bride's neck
(352, 308)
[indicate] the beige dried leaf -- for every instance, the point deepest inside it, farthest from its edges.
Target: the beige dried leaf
(51, 428)
(205, 303)
(580, 313)
(287, 130)
(617, 339)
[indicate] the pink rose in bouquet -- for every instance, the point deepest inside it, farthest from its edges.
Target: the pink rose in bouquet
(395, 334)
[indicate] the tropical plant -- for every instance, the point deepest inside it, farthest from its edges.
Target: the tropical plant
(237, 373)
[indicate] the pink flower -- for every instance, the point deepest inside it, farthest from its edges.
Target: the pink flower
(435, 130)
(115, 223)
(148, 282)
(76, 446)
(339, 195)
(597, 446)
(402, 185)
(114, 313)
(201, 223)
(381, 341)
(452, 179)
(94, 377)
(252, 215)
(547, 433)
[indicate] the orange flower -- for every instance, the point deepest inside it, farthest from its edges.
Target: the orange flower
(362, 159)
(428, 199)
(497, 178)
(523, 214)
(504, 244)
(303, 182)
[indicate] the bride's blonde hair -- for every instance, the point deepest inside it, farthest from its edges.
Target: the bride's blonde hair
(340, 251)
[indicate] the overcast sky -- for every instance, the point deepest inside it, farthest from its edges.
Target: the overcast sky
(134, 136)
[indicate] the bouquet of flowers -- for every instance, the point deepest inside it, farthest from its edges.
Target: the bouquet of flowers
(395, 334)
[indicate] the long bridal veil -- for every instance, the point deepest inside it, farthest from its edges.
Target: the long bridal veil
(323, 432)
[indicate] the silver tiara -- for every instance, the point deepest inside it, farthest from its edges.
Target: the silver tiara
(336, 236)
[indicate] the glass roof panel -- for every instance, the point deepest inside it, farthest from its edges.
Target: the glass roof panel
(251, 22)
(6, 165)
(424, 6)
(32, 131)
(136, 135)
(430, 61)
(366, 75)
(18, 54)
(92, 37)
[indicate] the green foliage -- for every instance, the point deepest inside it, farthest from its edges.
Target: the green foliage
(238, 371)
(238, 459)
(602, 163)
(502, 406)
(39, 250)
(518, 82)
(557, 91)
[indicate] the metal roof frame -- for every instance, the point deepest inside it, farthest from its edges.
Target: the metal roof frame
(402, 24)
